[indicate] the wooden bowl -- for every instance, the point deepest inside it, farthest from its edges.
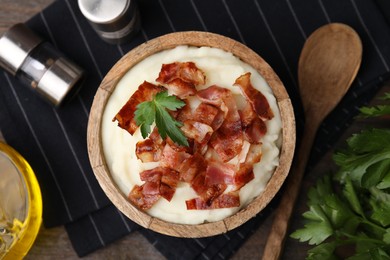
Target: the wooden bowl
(169, 41)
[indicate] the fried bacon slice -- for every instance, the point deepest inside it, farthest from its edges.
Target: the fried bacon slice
(191, 167)
(219, 173)
(196, 130)
(169, 180)
(243, 176)
(214, 95)
(147, 151)
(125, 116)
(207, 192)
(142, 199)
(254, 154)
(227, 141)
(254, 128)
(226, 200)
(247, 115)
(201, 124)
(159, 182)
(255, 131)
(254, 97)
(185, 112)
(150, 149)
(181, 78)
(210, 115)
(172, 158)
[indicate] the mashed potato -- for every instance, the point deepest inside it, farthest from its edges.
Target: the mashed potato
(221, 68)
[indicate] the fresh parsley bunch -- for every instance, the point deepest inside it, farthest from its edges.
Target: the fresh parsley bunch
(353, 209)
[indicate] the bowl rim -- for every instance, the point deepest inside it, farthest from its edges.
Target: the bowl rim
(169, 41)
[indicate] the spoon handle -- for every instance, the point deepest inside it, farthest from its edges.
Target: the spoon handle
(276, 237)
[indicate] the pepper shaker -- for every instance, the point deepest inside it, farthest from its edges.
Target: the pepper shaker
(39, 65)
(115, 21)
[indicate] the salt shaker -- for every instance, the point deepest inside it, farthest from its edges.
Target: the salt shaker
(39, 65)
(115, 21)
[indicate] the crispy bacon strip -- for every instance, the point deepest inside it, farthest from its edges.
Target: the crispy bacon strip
(181, 78)
(241, 157)
(219, 173)
(253, 126)
(205, 113)
(153, 175)
(207, 192)
(186, 71)
(196, 130)
(146, 151)
(255, 131)
(159, 182)
(226, 200)
(200, 125)
(227, 141)
(254, 154)
(181, 88)
(191, 167)
(141, 198)
(169, 180)
(213, 95)
(247, 115)
(171, 158)
(150, 149)
(243, 176)
(185, 112)
(210, 115)
(254, 97)
(125, 116)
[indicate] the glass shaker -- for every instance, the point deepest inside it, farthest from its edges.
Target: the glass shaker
(39, 65)
(20, 204)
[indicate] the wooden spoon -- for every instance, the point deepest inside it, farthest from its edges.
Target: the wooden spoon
(328, 64)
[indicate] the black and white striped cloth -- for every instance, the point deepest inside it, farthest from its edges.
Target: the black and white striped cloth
(54, 140)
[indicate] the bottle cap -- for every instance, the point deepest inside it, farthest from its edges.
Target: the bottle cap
(115, 21)
(15, 46)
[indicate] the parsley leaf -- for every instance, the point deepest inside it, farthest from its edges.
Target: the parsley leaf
(144, 116)
(317, 230)
(379, 110)
(156, 111)
(364, 150)
(385, 182)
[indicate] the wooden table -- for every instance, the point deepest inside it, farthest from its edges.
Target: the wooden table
(54, 243)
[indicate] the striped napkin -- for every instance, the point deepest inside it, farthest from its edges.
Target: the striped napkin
(54, 140)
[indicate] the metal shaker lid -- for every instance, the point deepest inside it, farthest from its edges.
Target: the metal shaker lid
(101, 11)
(15, 46)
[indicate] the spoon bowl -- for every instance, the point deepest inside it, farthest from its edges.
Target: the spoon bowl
(328, 64)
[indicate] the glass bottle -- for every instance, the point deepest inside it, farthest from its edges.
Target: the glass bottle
(20, 204)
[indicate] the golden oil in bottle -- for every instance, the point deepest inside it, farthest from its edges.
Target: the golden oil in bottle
(20, 204)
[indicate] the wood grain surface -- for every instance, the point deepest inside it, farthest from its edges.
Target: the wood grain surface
(54, 243)
(16, 11)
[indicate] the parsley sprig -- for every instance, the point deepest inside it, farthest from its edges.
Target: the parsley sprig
(354, 208)
(155, 110)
